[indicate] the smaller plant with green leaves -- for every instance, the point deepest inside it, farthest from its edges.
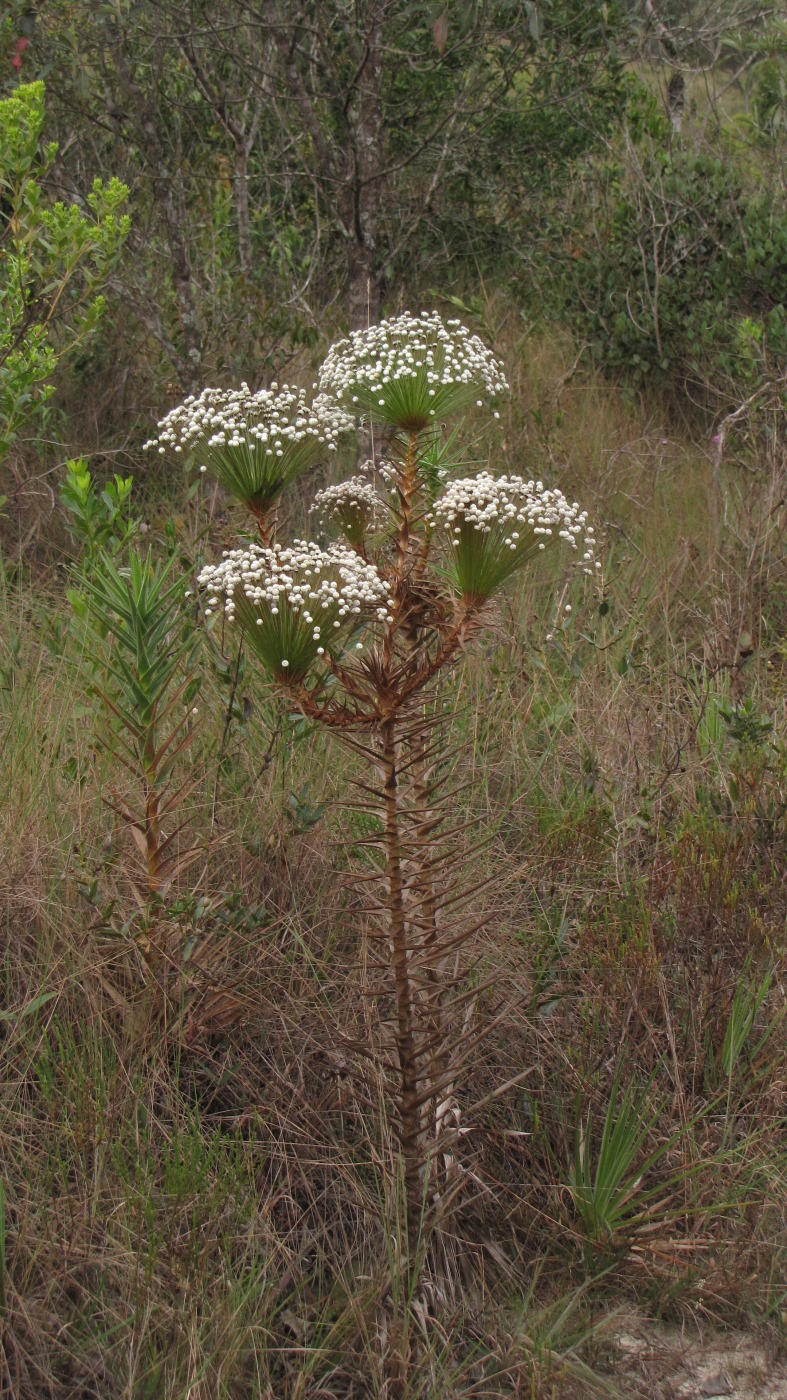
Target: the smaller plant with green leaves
(144, 653)
(746, 726)
(764, 51)
(97, 520)
(606, 1178)
(742, 1044)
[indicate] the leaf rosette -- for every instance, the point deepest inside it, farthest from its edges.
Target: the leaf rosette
(254, 444)
(296, 605)
(496, 526)
(408, 371)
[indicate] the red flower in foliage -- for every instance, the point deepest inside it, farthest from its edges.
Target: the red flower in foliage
(19, 48)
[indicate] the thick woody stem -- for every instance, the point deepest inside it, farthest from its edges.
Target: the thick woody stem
(152, 838)
(410, 1127)
(435, 976)
(408, 481)
(407, 486)
(423, 835)
(266, 523)
(383, 696)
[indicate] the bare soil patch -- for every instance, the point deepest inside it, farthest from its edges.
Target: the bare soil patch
(667, 1362)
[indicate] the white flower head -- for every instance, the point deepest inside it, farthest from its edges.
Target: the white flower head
(495, 525)
(353, 506)
(381, 472)
(293, 604)
(411, 370)
(254, 443)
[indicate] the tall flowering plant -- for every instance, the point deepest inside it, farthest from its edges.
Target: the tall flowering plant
(358, 634)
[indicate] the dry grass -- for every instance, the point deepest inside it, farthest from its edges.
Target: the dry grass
(217, 1213)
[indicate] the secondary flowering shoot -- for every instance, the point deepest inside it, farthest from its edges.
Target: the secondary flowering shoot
(353, 506)
(253, 443)
(297, 604)
(496, 525)
(410, 370)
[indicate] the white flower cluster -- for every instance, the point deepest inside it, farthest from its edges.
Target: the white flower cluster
(354, 495)
(380, 470)
(442, 354)
(322, 587)
(271, 419)
(507, 503)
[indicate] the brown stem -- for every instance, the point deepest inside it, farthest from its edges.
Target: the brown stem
(154, 955)
(423, 672)
(431, 967)
(408, 481)
(152, 837)
(152, 826)
(266, 523)
(382, 694)
(410, 1133)
(423, 837)
(407, 486)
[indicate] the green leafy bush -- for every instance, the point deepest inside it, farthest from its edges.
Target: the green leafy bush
(54, 260)
(97, 519)
(682, 275)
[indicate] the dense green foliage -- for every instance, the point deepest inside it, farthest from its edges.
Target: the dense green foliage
(54, 259)
(285, 152)
(682, 273)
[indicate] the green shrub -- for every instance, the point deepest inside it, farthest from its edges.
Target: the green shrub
(54, 260)
(682, 276)
(96, 519)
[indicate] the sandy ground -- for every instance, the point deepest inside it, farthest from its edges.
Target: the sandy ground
(670, 1363)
